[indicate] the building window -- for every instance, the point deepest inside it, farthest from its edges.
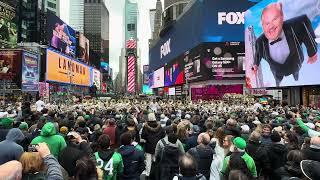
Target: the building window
(51, 5)
(131, 27)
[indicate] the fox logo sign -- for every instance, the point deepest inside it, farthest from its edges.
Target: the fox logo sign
(231, 17)
(165, 49)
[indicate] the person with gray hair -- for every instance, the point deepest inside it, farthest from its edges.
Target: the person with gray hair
(203, 154)
(188, 169)
(231, 128)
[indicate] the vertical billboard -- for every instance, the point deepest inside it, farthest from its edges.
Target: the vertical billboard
(8, 27)
(282, 39)
(30, 72)
(146, 74)
(63, 69)
(61, 36)
(44, 89)
(158, 78)
(10, 64)
(83, 48)
(131, 73)
(96, 78)
(174, 72)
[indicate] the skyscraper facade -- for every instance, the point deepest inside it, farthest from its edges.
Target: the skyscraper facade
(172, 10)
(96, 27)
(76, 15)
(156, 24)
(53, 6)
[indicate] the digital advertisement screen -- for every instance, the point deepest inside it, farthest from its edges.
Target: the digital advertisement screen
(226, 59)
(8, 27)
(146, 74)
(282, 43)
(104, 66)
(10, 64)
(131, 73)
(172, 91)
(174, 73)
(147, 90)
(30, 72)
(61, 68)
(215, 91)
(194, 68)
(96, 78)
(158, 78)
(83, 49)
(61, 36)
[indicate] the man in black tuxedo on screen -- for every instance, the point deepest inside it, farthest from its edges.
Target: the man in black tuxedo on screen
(281, 43)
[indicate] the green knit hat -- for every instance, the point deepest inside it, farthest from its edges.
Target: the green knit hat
(6, 122)
(86, 117)
(23, 126)
(239, 143)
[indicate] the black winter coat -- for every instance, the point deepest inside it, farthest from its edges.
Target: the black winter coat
(152, 133)
(259, 154)
(133, 162)
(277, 154)
(312, 154)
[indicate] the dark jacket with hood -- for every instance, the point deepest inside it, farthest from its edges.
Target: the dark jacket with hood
(277, 154)
(73, 152)
(152, 133)
(259, 154)
(56, 143)
(133, 162)
(203, 155)
(9, 148)
(291, 169)
(312, 153)
(234, 131)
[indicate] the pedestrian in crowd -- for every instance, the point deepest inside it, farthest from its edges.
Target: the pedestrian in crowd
(133, 159)
(107, 160)
(188, 169)
(203, 154)
(55, 142)
(167, 153)
(40, 165)
(10, 148)
(5, 125)
(151, 133)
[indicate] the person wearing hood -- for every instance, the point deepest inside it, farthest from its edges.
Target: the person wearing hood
(292, 166)
(75, 150)
(277, 153)
(313, 151)
(5, 125)
(55, 142)
(10, 148)
(151, 133)
(133, 159)
(108, 161)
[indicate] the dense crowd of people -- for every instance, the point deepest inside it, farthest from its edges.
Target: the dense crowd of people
(132, 140)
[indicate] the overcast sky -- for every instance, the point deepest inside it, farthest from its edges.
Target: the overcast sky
(116, 10)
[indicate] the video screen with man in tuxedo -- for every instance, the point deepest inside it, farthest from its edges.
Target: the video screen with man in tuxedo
(282, 43)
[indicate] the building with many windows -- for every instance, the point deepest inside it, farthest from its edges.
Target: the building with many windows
(76, 15)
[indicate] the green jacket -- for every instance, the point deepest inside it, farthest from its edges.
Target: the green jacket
(56, 143)
(247, 159)
(112, 168)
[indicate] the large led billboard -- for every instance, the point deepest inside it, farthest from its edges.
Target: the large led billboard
(61, 36)
(10, 64)
(174, 73)
(96, 78)
(63, 69)
(158, 78)
(83, 48)
(30, 72)
(8, 27)
(282, 43)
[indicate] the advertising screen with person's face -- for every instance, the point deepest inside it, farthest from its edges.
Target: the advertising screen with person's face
(10, 64)
(8, 27)
(158, 78)
(281, 43)
(83, 51)
(61, 36)
(174, 73)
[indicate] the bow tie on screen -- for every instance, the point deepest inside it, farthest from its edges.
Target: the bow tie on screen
(275, 41)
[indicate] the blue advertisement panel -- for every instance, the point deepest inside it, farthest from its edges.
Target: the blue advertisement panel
(204, 21)
(30, 72)
(282, 39)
